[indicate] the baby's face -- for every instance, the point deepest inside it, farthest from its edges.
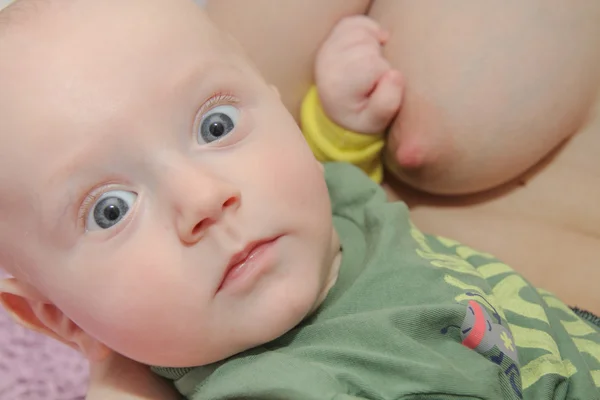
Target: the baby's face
(167, 201)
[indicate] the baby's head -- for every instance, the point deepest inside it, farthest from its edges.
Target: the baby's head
(141, 159)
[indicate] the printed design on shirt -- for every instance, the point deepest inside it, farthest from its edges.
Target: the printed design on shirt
(549, 363)
(581, 332)
(482, 333)
(507, 292)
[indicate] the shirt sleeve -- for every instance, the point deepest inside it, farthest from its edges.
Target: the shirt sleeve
(331, 142)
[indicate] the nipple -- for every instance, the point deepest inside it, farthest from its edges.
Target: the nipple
(416, 150)
(411, 154)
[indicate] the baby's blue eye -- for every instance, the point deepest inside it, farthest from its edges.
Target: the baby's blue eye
(217, 123)
(110, 209)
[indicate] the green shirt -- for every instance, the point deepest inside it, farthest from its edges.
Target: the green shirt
(412, 316)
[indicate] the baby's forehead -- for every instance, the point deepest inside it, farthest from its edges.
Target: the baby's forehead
(92, 42)
(11, 11)
(61, 56)
(42, 20)
(50, 42)
(18, 14)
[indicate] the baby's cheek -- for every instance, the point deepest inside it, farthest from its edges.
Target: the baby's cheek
(136, 316)
(118, 295)
(289, 170)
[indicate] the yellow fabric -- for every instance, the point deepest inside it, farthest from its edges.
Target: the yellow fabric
(331, 142)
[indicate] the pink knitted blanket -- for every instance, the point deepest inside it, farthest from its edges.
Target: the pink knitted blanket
(33, 367)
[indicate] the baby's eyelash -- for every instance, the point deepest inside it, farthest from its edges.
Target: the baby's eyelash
(91, 198)
(86, 205)
(218, 99)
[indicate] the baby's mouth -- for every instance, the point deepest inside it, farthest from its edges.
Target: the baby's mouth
(244, 260)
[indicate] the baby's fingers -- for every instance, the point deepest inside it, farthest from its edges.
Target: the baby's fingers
(357, 26)
(384, 102)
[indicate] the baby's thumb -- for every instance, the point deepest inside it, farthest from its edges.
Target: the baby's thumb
(385, 100)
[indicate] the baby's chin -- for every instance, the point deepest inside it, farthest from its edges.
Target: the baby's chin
(183, 356)
(220, 346)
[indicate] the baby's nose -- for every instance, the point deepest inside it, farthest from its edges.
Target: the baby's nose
(200, 214)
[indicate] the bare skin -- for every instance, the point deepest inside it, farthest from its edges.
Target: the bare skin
(545, 224)
(95, 97)
(528, 80)
(282, 37)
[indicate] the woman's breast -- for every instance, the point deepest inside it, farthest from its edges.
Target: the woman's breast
(546, 224)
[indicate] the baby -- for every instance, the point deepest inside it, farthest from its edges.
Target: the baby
(159, 202)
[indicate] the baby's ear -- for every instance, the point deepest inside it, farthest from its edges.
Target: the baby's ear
(29, 308)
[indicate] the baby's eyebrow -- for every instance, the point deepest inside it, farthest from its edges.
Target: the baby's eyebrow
(57, 226)
(24, 13)
(63, 209)
(68, 187)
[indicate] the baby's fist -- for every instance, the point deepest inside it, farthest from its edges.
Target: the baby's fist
(358, 88)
